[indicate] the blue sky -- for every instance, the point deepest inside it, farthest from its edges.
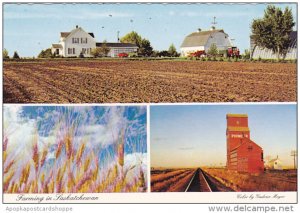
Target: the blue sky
(31, 28)
(100, 127)
(183, 136)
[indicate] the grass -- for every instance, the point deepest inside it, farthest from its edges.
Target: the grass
(247, 182)
(71, 168)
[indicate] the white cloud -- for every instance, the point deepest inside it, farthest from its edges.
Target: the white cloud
(138, 161)
(20, 133)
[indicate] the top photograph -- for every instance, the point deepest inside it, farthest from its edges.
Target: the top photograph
(149, 53)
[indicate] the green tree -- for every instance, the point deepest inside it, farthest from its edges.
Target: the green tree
(46, 54)
(16, 55)
(213, 50)
(172, 51)
(133, 38)
(5, 54)
(273, 30)
(145, 48)
(144, 45)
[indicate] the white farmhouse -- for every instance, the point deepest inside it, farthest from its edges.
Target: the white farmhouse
(202, 40)
(274, 164)
(71, 44)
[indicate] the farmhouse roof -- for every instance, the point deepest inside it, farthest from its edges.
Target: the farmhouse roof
(66, 34)
(115, 44)
(57, 46)
(199, 38)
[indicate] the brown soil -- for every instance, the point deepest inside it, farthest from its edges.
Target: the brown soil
(124, 81)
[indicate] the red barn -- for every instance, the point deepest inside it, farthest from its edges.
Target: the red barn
(243, 154)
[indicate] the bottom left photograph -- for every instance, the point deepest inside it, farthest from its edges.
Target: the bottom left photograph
(74, 149)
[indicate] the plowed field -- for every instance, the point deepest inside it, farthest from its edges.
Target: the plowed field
(123, 81)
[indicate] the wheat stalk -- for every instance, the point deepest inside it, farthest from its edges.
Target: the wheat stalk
(69, 147)
(80, 153)
(43, 158)
(59, 148)
(9, 165)
(25, 174)
(7, 181)
(35, 156)
(5, 143)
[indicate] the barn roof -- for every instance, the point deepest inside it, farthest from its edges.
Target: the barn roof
(116, 44)
(198, 38)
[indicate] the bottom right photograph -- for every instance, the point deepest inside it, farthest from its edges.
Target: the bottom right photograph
(223, 148)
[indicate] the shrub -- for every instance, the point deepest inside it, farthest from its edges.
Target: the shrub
(213, 50)
(46, 54)
(246, 54)
(16, 55)
(5, 54)
(132, 55)
(96, 52)
(81, 55)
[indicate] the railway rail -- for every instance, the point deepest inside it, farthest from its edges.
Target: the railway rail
(199, 183)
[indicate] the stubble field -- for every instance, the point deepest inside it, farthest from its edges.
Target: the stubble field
(124, 81)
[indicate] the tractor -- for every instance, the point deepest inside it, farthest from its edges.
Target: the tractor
(233, 52)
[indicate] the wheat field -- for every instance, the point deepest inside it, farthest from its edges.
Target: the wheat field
(63, 155)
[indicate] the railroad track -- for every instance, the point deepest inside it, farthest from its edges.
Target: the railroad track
(198, 183)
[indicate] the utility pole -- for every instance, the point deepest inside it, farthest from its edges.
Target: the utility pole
(118, 33)
(294, 154)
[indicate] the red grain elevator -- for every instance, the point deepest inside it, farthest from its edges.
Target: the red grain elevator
(243, 154)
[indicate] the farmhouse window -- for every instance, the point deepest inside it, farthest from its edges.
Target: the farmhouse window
(83, 40)
(57, 51)
(70, 50)
(75, 40)
(73, 50)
